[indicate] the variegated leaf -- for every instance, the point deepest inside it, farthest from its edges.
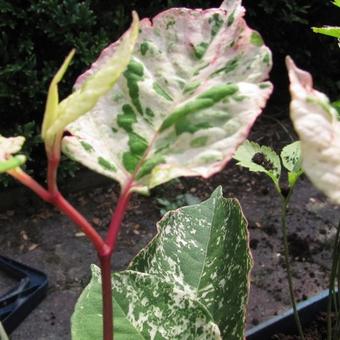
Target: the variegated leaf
(188, 98)
(8, 147)
(144, 308)
(203, 249)
(315, 121)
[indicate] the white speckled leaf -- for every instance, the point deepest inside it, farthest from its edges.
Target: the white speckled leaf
(144, 308)
(315, 122)
(8, 147)
(203, 249)
(192, 90)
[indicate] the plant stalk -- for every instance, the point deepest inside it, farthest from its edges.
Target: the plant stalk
(105, 266)
(287, 263)
(118, 215)
(332, 278)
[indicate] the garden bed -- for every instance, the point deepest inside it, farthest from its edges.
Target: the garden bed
(39, 236)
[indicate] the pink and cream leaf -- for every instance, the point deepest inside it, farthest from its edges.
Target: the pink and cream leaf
(315, 121)
(188, 98)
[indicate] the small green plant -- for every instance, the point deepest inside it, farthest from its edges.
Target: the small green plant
(179, 201)
(159, 104)
(263, 159)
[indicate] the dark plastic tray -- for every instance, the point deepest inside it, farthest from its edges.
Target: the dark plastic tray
(285, 323)
(19, 301)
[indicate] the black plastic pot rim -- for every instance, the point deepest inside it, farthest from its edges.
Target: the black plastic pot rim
(285, 323)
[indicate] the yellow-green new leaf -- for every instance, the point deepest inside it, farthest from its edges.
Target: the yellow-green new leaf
(315, 121)
(8, 147)
(91, 87)
(52, 101)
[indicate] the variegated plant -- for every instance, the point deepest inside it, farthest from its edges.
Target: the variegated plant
(191, 92)
(315, 121)
(188, 96)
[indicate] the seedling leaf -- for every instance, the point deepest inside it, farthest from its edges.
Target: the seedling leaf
(8, 147)
(315, 121)
(145, 307)
(190, 94)
(258, 158)
(203, 250)
(291, 160)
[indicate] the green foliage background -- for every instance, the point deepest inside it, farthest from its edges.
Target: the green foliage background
(35, 36)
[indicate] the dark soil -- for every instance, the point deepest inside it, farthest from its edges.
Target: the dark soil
(39, 236)
(315, 331)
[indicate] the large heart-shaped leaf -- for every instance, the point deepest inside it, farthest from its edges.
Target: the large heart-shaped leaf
(315, 121)
(190, 94)
(203, 249)
(144, 308)
(8, 147)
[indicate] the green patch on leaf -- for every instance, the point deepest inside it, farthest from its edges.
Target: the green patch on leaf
(231, 19)
(130, 161)
(105, 164)
(190, 88)
(200, 49)
(199, 142)
(256, 39)
(144, 47)
(160, 91)
(149, 165)
(87, 147)
(267, 59)
(126, 119)
(216, 23)
(137, 144)
(133, 74)
(230, 66)
(203, 101)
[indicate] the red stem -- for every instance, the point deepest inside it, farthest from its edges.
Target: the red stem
(104, 248)
(60, 202)
(115, 225)
(105, 266)
(29, 182)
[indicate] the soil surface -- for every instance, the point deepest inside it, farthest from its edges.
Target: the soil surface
(37, 235)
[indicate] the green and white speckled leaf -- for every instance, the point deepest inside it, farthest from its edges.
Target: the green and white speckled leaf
(8, 147)
(144, 308)
(203, 249)
(259, 158)
(292, 161)
(315, 121)
(190, 94)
